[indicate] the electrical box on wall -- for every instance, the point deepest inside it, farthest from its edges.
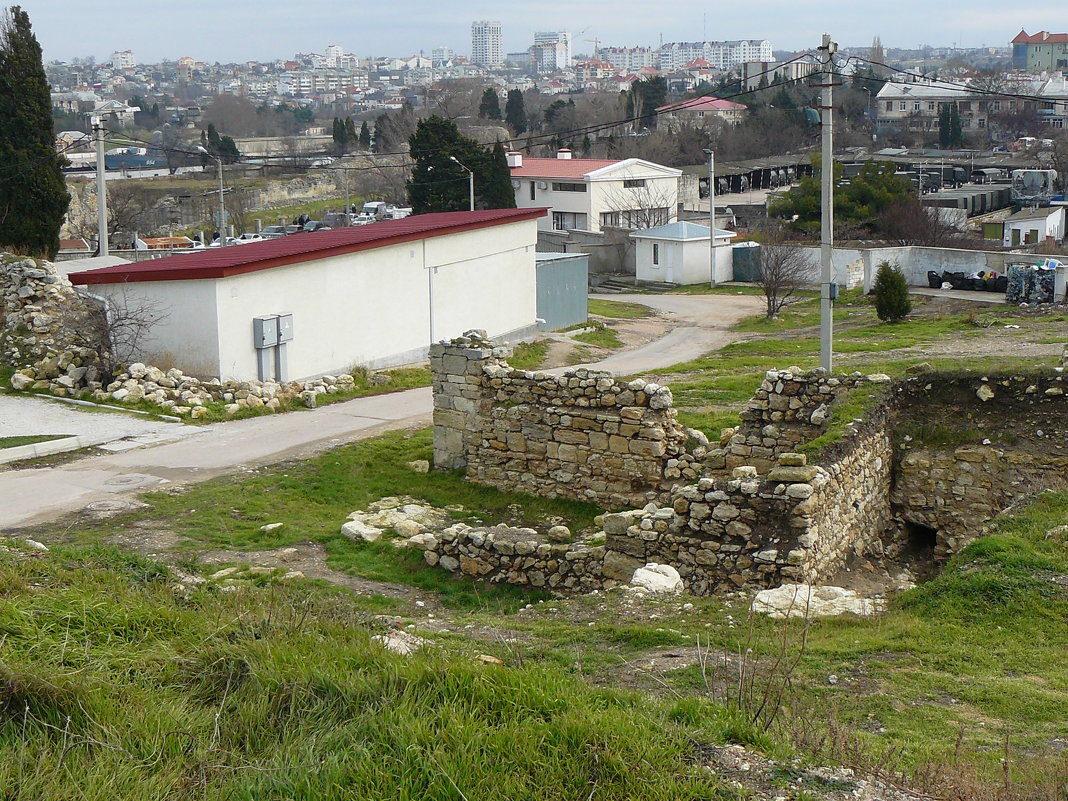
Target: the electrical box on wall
(285, 328)
(265, 331)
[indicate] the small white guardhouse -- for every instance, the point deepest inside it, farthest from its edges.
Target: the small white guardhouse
(678, 254)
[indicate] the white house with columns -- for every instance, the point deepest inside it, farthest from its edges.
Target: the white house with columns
(594, 194)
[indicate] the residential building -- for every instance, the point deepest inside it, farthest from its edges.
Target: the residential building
(628, 59)
(700, 111)
(1042, 51)
(721, 55)
(332, 54)
(374, 295)
(594, 194)
(123, 59)
(754, 73)
(442, 55)
(487, 44)
(552, 51)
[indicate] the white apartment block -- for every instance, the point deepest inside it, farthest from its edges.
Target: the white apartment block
(552, 50)
(628, 59)
(123, 59)
(487, 43)
(721, 55)
(439, 55)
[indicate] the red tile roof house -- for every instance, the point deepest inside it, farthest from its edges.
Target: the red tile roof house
(375, 295)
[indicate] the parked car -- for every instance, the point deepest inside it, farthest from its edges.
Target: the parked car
(230, 240)
(247, 237)
(273, 231)
(315, 225)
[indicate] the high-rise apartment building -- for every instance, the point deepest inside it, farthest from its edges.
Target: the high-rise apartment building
(721, 55)
(487, 43)
(552, 50)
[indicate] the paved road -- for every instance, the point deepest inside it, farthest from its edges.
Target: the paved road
(28, 497)
(21, 415)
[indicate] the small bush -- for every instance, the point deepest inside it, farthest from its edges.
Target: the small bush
(892, 302)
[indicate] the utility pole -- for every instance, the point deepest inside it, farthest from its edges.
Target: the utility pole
(101, 188)
(470, 182)
(712, 216)
(827, 205)
(222, 203)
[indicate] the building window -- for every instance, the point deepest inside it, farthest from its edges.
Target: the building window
(930, 106)
(532, 190)
(964, 106)
(569, 221)
(995, 105)
(569, 187)
(915, 106)
(656, 254)
(981, 123)
(889, 105)
(633, 183)
(636, 218)
(904, 107)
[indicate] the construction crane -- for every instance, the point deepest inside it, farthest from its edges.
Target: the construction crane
(596, 43)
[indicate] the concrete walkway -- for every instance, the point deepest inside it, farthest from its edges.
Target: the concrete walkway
(29, 497)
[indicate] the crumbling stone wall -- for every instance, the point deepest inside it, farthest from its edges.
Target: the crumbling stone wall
(1017, 432)
(790, 408)
(582, 435)
(36, 300)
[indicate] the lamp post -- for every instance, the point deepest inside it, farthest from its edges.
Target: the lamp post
(712, 216)
(222, 205)
(470, 182)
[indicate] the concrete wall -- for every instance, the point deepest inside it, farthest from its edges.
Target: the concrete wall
(563, 290)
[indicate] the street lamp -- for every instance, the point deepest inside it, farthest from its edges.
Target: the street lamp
(222, 205)
(712, 215)
(470, 182)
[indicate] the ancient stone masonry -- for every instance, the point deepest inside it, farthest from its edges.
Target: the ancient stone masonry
(581, 435)
(38, 308)
(954, 491)
(790, 408)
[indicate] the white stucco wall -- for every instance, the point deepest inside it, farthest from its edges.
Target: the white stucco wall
(1051, 226)
(686, 262)
(187, 336)
(369, 308)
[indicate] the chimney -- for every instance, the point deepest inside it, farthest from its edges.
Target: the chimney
(515, 160)
(563, 153)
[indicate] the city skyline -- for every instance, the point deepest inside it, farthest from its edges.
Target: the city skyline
(243, 31)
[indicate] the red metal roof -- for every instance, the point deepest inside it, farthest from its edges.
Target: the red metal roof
(560, 168)
(1042, 37)
(255, 256)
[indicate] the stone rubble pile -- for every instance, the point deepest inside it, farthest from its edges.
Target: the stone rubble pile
(39, 305)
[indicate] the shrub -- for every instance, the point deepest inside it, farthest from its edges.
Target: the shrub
(891, 294)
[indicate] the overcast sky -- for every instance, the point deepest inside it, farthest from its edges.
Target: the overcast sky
(246, 30)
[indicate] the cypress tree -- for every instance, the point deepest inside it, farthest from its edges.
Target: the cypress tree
(891, 294)
(515, 111)
(956, 138)
(493, 182)
(33, 196)
(365, 136)
(490, 107)
(350, 131)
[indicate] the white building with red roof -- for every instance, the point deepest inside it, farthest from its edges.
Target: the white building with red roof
(700, 110)
(374, 295)
(593, 194)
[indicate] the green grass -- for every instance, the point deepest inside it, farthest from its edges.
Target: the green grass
(529, 355)
(601, 337)
(313, 498)
(14, 442)
(618, 310)
(116, 685)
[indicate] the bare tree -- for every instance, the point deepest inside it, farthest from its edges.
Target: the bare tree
(117, 327)
(910, 223)
(131, 207)
(783, 269)
(645, 205)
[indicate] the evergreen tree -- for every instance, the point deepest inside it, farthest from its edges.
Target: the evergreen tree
(338, 135)
(228, 151)
(380, 133)
(892, 302)
(956, 138)
(515, 111)
(493, 182)
(214, 140)
(33, 196)
(350, 131)
(365, 136)
(490, 107)
(945, 128)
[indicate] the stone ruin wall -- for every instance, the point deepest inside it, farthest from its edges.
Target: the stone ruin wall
(956, 490)
(582, 435)
(760, 515)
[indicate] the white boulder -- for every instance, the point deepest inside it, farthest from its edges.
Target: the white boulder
(358, 530)
(657, 578)
(801, 600)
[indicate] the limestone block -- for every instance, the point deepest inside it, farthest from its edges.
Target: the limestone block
(657, 578)
(620, 566)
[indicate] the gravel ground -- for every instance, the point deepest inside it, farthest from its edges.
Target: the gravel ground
(21, 415)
